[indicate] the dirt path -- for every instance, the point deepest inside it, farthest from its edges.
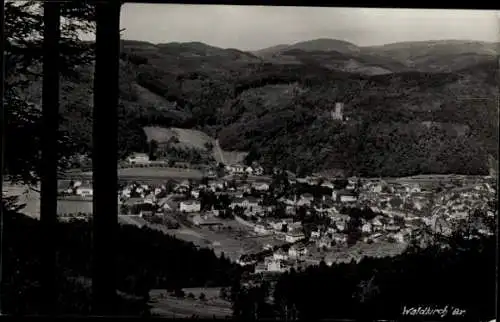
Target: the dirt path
(218, 155)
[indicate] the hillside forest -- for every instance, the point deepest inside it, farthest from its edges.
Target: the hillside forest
(401, 116)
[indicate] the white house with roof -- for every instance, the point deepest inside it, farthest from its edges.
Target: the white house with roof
(290, 210)
(274, 266)
(325, 207)
(339, 238)
(195, 193)
(414, 188)
(305, 199)
(260, 186)
(315, 234)
(245, 203)
(376, 187)
(280, 255)
(258, 170)
(327, 184)
(367, 228)
(162, 203)
(323, 243)
(236, 169)
(260, 229)
(294, 226)
(347, 197)
(312, 181)
(288, 201)
(138, 158)
(293, 236)
(301, 180)
(399, 237)
(84, 190)
(190, 206)
(296, 251)
(276, 225)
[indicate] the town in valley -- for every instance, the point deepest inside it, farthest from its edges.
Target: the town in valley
(273, 221)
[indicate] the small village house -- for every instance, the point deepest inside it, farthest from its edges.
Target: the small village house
(377, 223)
(324, 243)
(347, 196)
(84, 191)
(290, 210)
(315, 234)
(246, 203)
(305, 199)
(260, 186)
(294, 226)
(367, 228)
(293, 237)
(280, 255)
(138, 158)
(261, 230)
(274, 266)
(236, 169)
(190, 206)
(195, 193)
(245, 260)
(296, 251)
(258, 171)
(376, 188)
(327, 184)
(398, 237)
(339, 239)
(276, 225)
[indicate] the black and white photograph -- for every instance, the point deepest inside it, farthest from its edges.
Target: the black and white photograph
(249, 162)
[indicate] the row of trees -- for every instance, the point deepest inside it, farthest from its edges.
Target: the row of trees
(461, 276)
(146, 259)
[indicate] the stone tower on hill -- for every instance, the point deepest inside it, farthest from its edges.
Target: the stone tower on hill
(338, 112)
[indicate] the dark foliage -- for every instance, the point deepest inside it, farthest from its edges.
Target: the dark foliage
(146, 259)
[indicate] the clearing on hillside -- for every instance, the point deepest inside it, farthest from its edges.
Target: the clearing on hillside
(187, 138)
(234, 157)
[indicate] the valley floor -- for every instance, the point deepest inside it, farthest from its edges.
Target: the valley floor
(168, 306)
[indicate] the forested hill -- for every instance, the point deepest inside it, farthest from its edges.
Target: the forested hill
(146, 259)
(408, 113)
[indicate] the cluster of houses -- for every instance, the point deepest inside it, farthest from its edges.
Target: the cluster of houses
(239, 169)
(280, 260)
(77, 188)
(394, 220)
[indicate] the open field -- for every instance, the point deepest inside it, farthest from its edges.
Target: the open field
(236, 241)
(31, 201)
(173, 307)
(74, 206)
(435, 178)
(250, 178)
(146, 174)
(26, 196)
(160, 173)
(234, 157)
(377, 249)
(233, 242)
(187, 138)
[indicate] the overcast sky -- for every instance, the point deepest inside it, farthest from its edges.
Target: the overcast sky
(257, 27)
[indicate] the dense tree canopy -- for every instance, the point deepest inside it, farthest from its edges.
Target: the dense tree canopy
(146, 259)
(23, 53)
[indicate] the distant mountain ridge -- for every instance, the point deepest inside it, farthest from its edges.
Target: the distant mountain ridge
(418, 55)
(275, 103)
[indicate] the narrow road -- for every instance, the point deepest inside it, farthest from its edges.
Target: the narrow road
(132, 220)
(218, 152)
